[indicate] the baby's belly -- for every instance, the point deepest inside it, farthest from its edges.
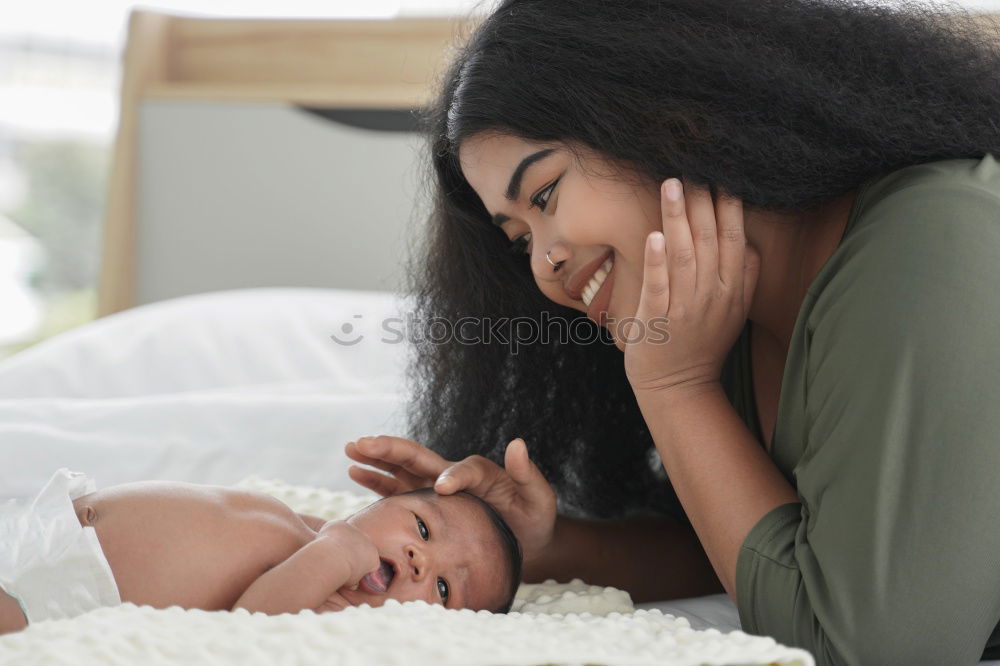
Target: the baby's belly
(192, 546)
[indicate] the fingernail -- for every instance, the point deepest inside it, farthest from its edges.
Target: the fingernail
(673, 189)
(656, 241)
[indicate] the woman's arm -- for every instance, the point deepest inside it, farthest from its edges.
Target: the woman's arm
(702, 440)
(652, 559)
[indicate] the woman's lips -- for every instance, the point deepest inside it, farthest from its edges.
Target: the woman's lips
(574, 286)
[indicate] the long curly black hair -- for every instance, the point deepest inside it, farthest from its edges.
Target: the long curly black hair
(787, 104)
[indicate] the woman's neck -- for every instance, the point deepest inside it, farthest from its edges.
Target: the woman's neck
(793, 249)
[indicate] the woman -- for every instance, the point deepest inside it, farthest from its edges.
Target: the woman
(822, 401)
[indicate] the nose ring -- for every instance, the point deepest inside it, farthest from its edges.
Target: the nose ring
(549, 259)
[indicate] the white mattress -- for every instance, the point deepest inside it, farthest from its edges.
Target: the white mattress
(550, 624)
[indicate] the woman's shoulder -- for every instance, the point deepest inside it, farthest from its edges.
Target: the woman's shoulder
(937, 223)
(926, 191)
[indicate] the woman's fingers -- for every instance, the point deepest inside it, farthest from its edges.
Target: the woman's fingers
(403, 453)
(751, 263)
(680, 250)
(412, 481)
(532, 486)
(375, 481)
(739, 263)
(701, 213)
(467, 474)
(654, 298)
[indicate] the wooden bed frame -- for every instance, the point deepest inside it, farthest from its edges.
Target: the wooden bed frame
(368, 64)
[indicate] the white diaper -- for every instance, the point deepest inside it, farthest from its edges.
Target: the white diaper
(54, 567)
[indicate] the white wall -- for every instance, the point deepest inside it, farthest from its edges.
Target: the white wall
(264, 195)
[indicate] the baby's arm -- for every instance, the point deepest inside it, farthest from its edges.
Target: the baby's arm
(310, 578)
(312, 521)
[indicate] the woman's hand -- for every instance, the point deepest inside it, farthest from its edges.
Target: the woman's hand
(696, 292)
(518, 491)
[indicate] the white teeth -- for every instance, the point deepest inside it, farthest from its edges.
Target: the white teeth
(590, 290)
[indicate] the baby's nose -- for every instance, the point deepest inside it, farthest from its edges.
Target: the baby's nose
(417, 560)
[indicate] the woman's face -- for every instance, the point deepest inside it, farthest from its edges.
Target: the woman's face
(574, 206)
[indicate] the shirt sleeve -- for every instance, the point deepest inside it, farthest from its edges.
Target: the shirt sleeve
(893, 555)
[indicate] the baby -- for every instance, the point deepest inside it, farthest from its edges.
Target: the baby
(166, 544)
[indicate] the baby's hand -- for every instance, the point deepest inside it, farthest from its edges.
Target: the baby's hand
(359, 552)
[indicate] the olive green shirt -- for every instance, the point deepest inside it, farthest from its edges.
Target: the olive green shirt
(888, 426)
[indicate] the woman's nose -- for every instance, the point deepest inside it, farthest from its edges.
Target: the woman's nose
(552, 260)
(417, 561)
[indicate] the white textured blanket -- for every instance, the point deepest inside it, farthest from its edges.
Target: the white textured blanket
(551, 624)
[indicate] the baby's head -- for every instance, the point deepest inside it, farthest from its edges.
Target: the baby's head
(453, 550)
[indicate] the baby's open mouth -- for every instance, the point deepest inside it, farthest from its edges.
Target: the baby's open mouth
(378, 581)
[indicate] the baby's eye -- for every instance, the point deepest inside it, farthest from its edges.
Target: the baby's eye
(443, 589)
(422, 529)
(520, 244)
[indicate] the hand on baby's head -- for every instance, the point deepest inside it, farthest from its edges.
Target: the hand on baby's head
(453, 550)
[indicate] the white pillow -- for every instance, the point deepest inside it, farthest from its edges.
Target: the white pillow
(220, 340)
(206, 389)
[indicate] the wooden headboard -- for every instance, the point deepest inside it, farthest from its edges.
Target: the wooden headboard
(370, 64)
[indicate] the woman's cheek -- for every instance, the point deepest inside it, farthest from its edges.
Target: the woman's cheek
(625, 294)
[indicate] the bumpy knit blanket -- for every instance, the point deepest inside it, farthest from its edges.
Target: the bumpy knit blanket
(551, 623)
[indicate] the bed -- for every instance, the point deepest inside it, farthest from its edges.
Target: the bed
(247, 387)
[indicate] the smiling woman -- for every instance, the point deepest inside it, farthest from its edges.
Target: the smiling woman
(795, 188)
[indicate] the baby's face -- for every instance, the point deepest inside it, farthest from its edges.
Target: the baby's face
(434, 548)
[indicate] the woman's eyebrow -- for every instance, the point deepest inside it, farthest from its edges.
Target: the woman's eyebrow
(514, 187)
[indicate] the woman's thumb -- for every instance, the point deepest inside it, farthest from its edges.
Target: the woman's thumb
(525, 473)
(516, 460)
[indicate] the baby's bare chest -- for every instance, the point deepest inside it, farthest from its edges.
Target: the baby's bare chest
(192, 546)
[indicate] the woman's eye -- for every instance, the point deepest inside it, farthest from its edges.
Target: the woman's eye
(542, 198)
(443, 589)
(520, 244)
(422, 529)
